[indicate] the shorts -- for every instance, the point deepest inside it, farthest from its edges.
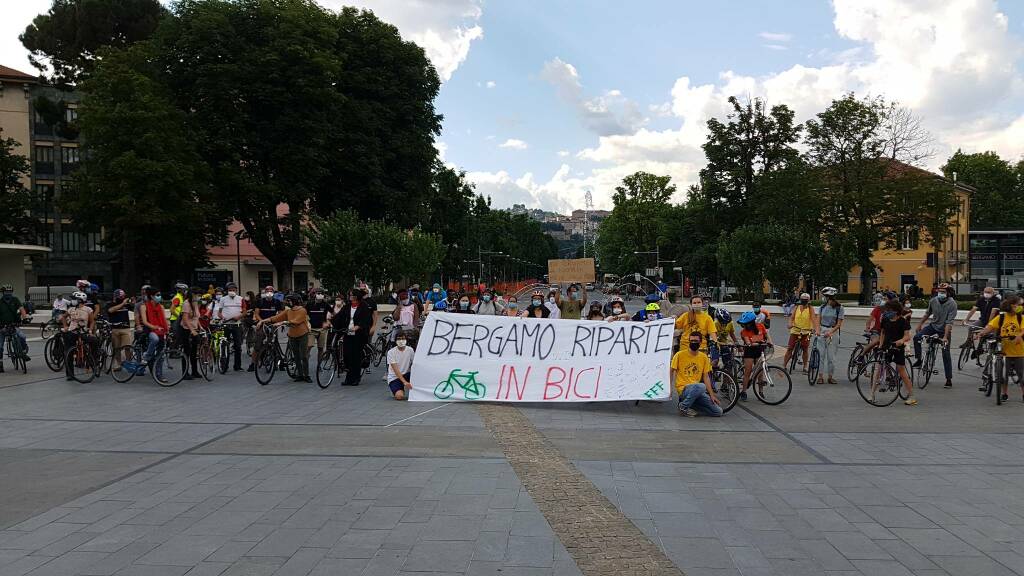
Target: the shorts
(799, 341)
(397, 385)
(897, 355)
(753, 351)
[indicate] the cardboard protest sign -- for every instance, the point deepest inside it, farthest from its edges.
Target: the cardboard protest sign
(574, 270)
(464, 357)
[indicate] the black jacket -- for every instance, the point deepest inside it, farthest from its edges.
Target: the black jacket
(363, 319)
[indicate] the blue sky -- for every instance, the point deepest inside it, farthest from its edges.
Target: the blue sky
(544, 100)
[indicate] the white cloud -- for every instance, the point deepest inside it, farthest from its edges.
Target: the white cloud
(445, 29)
(607, 114)
(777, 47)
(491, 83)
(563, 153)
(514, 144)
(953, 62)
(776, 36)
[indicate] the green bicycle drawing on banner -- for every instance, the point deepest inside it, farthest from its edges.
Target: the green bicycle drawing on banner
(471, 389)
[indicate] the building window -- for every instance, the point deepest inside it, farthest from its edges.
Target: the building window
(265, 278)
(44, 153)
(43, 198)
(71, 115)
(69, 241)
(908, 240)
(46, 236)
(92, 242)
(69, 157)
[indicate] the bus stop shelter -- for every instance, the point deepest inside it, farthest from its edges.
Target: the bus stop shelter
(12, 265)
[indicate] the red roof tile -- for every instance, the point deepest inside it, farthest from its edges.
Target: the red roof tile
(11, 73)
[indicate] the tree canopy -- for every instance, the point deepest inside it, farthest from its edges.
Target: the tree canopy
(16, 222)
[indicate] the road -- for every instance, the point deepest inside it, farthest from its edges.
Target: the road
(230, 477)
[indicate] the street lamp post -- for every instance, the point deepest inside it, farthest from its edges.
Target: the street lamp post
(238, 257)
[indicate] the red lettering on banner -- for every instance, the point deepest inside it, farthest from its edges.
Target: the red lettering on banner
(501, 382)
(548, 383)
(511, 377)
(576, 382)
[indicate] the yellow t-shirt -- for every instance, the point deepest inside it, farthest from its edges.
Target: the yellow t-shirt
(801, 320)
(690, 368)
(724, 330)
(701, 322)
(1011, 327)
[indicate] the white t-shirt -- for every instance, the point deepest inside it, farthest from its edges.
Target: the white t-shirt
(229, 308)
(402, 358)
(352, 319)
(554, 311)
(61, 304)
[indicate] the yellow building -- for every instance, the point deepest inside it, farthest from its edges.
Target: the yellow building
(916, 262)
(15, 106)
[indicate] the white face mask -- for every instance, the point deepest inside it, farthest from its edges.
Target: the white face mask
(400, 343)
(319, 297)
(551, 299)
(268, 294)
(617, 310)
(232, 294)
(986, 295)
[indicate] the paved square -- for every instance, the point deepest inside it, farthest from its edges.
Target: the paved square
(229, 478)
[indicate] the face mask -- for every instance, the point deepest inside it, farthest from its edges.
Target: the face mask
(513, 305)
(617, 310)
(757, 310)
(906, 306)
(405, 301)
(268, 295)
(436, 290)
(487, 297)
(463, 304)
(319, 297)
(217, 297)
(573, 296)
(232, 294)
(536, 302)
(551, 299)
(942, 295)
(804, 302)
(400, 342)
(694, 346)
(986, 296)
(158, 298)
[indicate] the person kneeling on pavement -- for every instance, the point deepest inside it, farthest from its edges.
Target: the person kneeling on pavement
(399, 366)
(691, 372)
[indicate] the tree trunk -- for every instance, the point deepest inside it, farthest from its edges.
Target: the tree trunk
(284, 268)
(866, 269)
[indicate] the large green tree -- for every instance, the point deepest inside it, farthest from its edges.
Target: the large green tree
(636, 223)
(999, 198)
(16, 222)
(142, 179)
(66, 43)
(868, 196)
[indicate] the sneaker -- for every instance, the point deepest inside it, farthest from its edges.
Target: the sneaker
(949, 384)
(743, 396)
(916, 364)
(910, 401)
(689, 412)
(251, 368)
(1005, 397)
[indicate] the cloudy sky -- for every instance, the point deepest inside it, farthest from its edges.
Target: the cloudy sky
(544, 99)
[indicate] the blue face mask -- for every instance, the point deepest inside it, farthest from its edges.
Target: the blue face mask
(487, 297)
(463, 305)
(536, 302)
(942, 296)
(158, 298)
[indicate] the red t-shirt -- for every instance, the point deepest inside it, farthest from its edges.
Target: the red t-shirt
(155, 316)
(756, 336)
(876, 318)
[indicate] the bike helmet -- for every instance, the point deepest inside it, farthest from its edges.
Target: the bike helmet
(805, 296)
(723, 316)
(181, 287)
(747, 318)
(617, 299)
(829, 291)
(146, 289)
(943, 286)
(889, 295)
(653, 307)
(6, 288)
(79, 296)
(652, 298)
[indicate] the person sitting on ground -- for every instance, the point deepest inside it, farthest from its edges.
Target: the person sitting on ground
(537, 309)
(691, 372)
(755, 337)
(595, 312)
(399, 366)
(617, 311)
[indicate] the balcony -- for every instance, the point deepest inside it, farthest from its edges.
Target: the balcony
(43, 129)
(44, 168)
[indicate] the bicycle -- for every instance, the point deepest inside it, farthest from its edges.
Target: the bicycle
(331, 363)
(132, 359)
(772, 384)
(471, 389)
(928, 366)
(205, 364)
(801, 341)
(271, 357)
(82, 359)
(882, 380)
(376, 351)
(51, 327)
(814, 362)
(968, 349)
(15, 352)
(54, 353)
(857, 360)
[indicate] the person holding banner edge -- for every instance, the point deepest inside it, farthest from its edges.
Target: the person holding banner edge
(691, 373)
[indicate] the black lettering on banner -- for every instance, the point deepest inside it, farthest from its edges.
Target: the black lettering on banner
(512, 338)
(579, 340)
(539, 345)
(664, 340)
(604, 334)
(620, 340)
(456, 338)
(636, 333)
(477, 338)
(496, 338)
(527, 333)
(435, 337)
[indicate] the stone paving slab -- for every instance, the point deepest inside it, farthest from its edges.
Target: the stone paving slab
(412, 441)
(921, 448)
(679, 446)
(107, 436)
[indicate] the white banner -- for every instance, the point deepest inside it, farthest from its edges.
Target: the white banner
(464, 357)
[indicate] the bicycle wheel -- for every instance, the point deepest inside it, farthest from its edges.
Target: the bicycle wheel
(726, 388)
(83, 364)
(1000, 366)
(381, 348)
(772, 385)
(106, 357)
(224, 356)
(291, 363)
(791, 365)
(814, 366)
(266, 365)
(16, 354)
(204, 357)
(53, 353)
(444, 390)
(965, 356)
(326, 369)
(853, 366)
(125, 353)
(174, 367)
(927, 369)
(987, 376)
(882, 378)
